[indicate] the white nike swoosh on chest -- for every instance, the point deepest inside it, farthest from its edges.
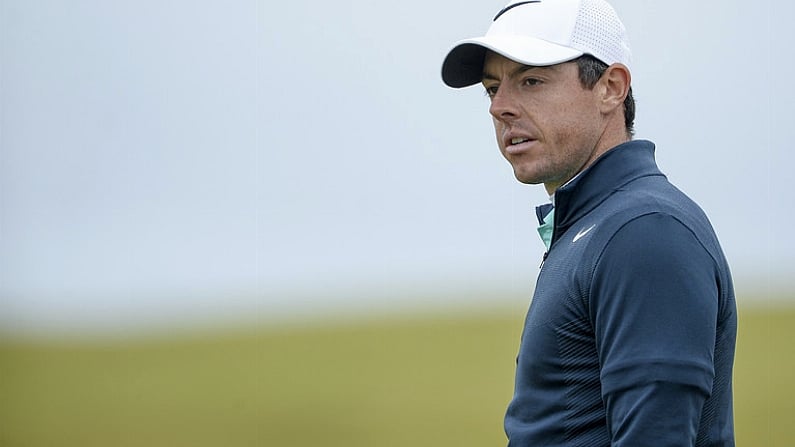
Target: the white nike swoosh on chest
(582, 233)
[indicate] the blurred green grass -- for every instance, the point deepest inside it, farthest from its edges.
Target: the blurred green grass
(423, 381)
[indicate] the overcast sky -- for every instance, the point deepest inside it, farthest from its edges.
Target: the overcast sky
(163, 159)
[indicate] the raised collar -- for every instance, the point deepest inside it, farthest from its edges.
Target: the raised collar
(614, 169)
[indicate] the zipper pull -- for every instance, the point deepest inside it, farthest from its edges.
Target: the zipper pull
(546, 253)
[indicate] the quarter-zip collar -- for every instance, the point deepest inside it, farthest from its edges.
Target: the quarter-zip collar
(607, 174)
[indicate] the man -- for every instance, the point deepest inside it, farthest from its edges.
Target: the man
(630, 335)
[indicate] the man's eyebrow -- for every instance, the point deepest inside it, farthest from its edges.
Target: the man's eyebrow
(515, 72)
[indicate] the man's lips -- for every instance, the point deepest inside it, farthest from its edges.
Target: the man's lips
(518, 145)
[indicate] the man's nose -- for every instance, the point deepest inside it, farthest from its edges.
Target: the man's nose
(503, 105)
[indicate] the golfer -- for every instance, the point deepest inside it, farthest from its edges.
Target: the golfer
(630, 336)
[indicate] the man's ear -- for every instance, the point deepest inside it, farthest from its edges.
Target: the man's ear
(614, 87)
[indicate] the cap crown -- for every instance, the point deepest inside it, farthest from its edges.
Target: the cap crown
(532, 18)
(541, 33)
(589, 26)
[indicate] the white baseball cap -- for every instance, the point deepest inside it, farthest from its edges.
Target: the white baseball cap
(541, 33)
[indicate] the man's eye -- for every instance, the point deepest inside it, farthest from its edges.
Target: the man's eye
(491, 91)
(532, 81)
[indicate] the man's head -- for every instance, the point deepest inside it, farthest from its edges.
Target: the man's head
(557, 72)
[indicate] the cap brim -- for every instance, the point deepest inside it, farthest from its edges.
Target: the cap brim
(463, 65)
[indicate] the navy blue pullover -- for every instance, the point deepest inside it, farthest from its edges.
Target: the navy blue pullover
(629, 340)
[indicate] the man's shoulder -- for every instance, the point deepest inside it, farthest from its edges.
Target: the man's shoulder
(653, 195)
(654, 205)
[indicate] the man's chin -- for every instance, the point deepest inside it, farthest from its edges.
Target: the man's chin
(524, 177)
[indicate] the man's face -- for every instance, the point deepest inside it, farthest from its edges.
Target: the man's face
(548, 125)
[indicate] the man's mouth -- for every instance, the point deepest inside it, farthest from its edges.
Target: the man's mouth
(519, 145)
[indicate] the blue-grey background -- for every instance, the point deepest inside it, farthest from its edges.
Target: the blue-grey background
(170, 163)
